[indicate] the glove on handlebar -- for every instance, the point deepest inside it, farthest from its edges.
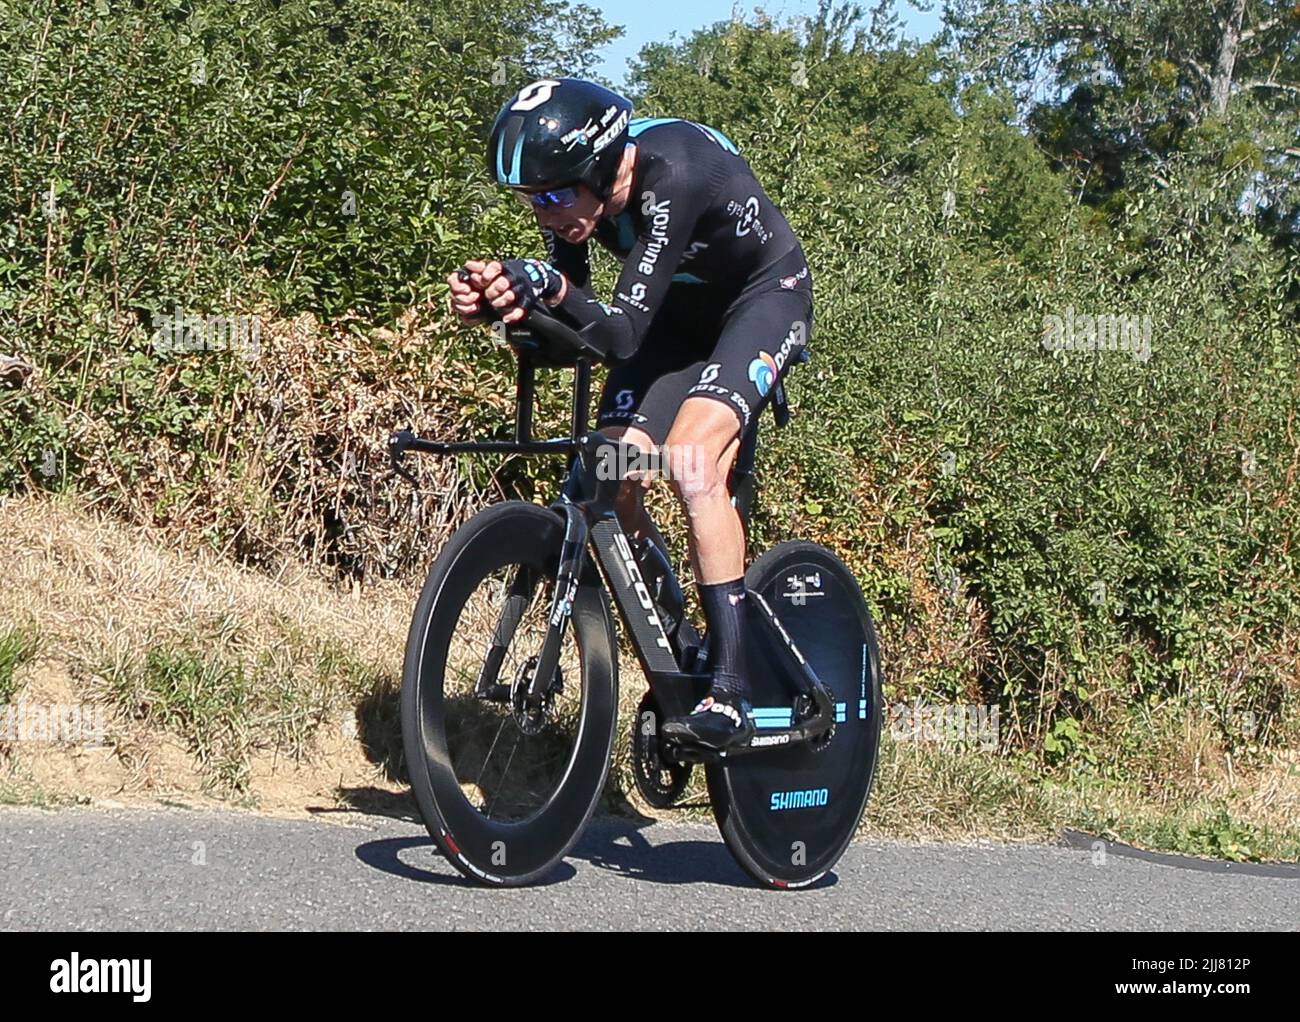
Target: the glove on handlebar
(532, 280)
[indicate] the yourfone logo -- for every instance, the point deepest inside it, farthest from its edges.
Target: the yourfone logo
(73, 975)
(657, 213)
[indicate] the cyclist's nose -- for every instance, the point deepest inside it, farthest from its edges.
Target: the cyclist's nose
(554, 217)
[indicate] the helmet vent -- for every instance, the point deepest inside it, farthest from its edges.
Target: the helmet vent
(507, 154)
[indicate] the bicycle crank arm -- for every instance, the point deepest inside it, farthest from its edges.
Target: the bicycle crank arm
(764, 740)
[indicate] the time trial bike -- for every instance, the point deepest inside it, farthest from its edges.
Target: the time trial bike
(510, 683)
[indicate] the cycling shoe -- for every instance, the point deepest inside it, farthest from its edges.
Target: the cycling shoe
(713, 724)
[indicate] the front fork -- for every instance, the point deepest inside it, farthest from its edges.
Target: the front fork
(572, 554)
(588, 497)
(583, 490)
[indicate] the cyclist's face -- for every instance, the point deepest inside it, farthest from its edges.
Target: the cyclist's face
(573, 223)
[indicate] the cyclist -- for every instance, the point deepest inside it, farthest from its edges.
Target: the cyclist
(712, 304)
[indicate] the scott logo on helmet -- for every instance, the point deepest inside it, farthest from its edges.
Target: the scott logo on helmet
(535, 95)
(610, 133)
(558, 132)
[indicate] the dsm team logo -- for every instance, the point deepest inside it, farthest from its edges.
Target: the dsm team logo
(762, 373)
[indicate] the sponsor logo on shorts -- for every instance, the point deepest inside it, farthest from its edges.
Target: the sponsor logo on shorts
(614, 415)
(725, 394)
(791, 282)
(623, 409)
(762, 373)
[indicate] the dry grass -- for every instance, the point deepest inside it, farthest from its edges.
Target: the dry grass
(238, 667)
(283, 460)
(96, 585)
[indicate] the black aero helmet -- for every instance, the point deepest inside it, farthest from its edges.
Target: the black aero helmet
(558, 131)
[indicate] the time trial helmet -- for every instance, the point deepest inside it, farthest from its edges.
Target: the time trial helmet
(560, 131)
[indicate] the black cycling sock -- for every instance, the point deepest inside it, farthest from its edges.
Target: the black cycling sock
(724, 607)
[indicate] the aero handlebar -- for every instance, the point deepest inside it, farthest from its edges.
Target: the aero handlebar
(559, 337)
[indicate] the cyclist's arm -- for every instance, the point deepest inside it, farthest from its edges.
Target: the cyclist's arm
(571, 260)
(670, 209)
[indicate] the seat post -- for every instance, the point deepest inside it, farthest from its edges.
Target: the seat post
(524, 400)
(581, 399)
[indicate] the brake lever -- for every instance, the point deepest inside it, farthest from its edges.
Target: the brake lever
(486, 310)
(398, 444)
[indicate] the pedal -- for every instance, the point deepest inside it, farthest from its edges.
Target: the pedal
(691, 754)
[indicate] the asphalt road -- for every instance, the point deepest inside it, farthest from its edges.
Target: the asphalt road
(96, 869)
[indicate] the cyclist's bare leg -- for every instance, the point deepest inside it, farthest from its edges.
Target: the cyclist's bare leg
(702, 447)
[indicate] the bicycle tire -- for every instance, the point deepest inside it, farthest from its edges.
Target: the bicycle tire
(493, 851)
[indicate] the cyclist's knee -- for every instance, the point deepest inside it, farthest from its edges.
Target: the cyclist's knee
(700, 451)
(698, 475)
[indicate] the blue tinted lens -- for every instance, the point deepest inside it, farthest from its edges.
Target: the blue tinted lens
(563, 198)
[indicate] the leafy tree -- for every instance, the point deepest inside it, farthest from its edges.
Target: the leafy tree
(1126, 94)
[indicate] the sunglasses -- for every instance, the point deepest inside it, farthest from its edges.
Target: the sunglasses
(554, 198)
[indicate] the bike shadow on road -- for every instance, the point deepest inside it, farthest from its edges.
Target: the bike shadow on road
(386, 855)
(621, 847)
(612, 845)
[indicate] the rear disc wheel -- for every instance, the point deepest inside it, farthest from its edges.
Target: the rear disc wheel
(787, 814)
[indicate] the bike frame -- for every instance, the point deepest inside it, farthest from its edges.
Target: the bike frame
(587, 507)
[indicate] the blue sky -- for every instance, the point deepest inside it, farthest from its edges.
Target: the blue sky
(648, 21)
